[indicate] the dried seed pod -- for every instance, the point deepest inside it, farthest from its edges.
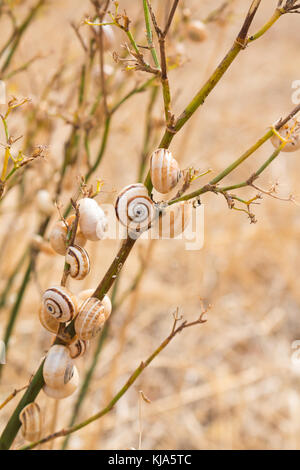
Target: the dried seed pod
(196, 30)
(79, 261)
(78, 348)
(164, 170)
(48, 321)
(174, 220)
(90, 319)
(58, 367)
(60, 303)
(58, 236)
(31, 419)
(291, 132)
(64, 391)
(92, 219)
(134, 208)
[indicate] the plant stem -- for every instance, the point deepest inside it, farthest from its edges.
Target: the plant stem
(149, 34)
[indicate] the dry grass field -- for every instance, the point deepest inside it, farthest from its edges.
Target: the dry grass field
(230, 383)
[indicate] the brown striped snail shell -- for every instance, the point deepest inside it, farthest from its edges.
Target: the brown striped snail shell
(48, 321)
(78, 348)
(60, 303)
(90, 319)
(174, 220)
(58, 366)
(291, 132)
(164, 170)
(134, 208)
(64, 391)
(79, 261)
(83, 295)
(31, 420)
(58, 236)
(92, 219)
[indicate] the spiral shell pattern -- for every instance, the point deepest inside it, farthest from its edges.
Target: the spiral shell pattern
(90, 319)
(60, 303)
(58, 367)
(164, 170)
(134, 208)
(78, 348)
(79, 261)
(48, 321)
(31, 420)
(291, 132)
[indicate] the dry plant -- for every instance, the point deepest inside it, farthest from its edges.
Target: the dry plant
(91, 102)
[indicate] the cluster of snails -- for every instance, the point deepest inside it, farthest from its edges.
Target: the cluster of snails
(289, 132)
(61, 306)
(137, 211)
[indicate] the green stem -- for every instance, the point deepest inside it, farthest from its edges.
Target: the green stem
(149, 34)
(277, 14)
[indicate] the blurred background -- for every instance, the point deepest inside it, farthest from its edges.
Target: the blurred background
(231, 383)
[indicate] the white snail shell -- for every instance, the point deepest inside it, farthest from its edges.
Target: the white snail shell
(44, 202)
(92, 219)
(290, 131)
(164, 170)
(134, 208)
(31, 419)
(85, 294)
(90, 319)
(64, 391)
(58, 367)
(79, 261)
(58, 236)
(174, 220)
(48, 321)
(60, 303)
(78, 348)
(196, 30)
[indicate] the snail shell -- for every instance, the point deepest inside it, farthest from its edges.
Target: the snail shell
(58, 366)
(79, 262)
(65, 390)
(58, 236)
(44, 202)
(31, 419)
(60, 303)
(174, 220)
(196, 30)
(164, 170)
(85, 294)
(92, 219)
(290, 131)
(134, 208)
(90, 318)
(48, 321)
(77, 348)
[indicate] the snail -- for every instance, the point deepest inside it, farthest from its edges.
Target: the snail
(58, 236)
(31, 420)
(164, 170)
(83, 295)
(60, 303)
(90, 318)
(79, 262)
(64, 391)
(290, 132)
(173, 220)
(77, 348)
(48, 321)
(92, 219)
(134, 208)
(58, 367)
(196, 31)
(44, 202)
